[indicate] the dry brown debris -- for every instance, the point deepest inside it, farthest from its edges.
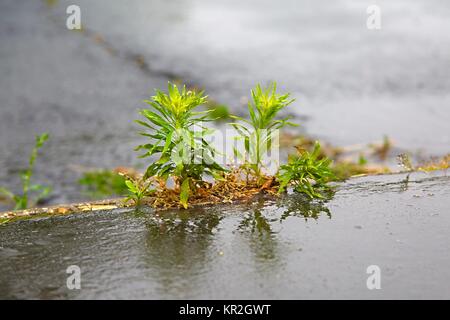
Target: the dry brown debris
(235, 186)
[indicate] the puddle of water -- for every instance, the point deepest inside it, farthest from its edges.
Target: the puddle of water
(284, 248)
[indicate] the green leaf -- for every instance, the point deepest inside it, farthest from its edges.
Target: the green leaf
(21, 202)
(131, 186)
(41, 139)
(145, 124)
(168, 142)
(184, 193)
(155, 119)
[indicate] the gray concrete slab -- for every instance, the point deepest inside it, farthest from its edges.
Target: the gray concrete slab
(284, 249)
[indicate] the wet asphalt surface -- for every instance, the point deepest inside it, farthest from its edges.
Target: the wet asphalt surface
(352, 86)
(283, 249)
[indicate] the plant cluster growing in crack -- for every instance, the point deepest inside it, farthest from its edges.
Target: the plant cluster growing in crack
(183, 169)
(177, 138)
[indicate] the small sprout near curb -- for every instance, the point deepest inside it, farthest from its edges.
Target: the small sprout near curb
(23, 201)
(307, 173)
(138, 189)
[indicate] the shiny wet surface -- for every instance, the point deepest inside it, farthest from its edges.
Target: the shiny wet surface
(352, 85)
(285, 248)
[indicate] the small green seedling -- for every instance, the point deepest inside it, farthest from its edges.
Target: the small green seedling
(184, 155)
(258, 131)
(22, 201)
(307, 173)
(138, 189)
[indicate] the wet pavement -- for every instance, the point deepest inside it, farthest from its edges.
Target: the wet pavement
(287, 248)
(352, 85)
